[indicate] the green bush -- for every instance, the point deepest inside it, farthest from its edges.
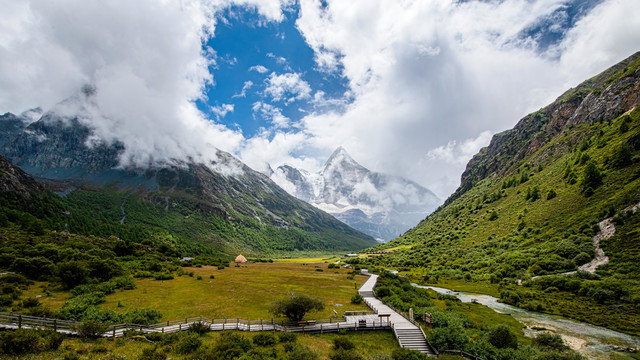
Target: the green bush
(264, 339)
(21, 341)
(286, 337)
(301, 352)
(296, 306)
(91, 329)
(199, 328)
(591, 178)
(502, 337)
(342, 342)
(406, 354)
(152, 353)
(445, 338)
(549, 341)
(188, 343)
(356, 299)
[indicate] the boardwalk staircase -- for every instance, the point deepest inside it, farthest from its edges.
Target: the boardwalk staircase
(413, 339)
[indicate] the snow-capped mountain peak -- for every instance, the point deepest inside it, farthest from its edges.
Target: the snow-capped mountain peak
(381, 205)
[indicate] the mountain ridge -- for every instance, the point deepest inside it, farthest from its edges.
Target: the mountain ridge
(221, 193)
(524, 218)
(381, 205)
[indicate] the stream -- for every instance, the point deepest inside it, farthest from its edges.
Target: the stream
(592, 341)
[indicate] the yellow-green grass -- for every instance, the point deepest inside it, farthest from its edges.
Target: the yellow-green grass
(367, 343)
(54, 301)
(329, 258)
(244, 292)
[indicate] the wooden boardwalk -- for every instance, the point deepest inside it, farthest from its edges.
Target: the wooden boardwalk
(358, 321)
(408, 333)
(382, 317)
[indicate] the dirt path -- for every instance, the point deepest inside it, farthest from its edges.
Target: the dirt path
(607, 230)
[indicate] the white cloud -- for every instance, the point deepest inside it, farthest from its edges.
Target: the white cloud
(144, 58)
(259, 68)
(425, 76)
(222, 110)
(243, 93)
(279, 59)
(271, 113)
(288, 87)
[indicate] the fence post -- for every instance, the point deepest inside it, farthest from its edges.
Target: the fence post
(321, 329)
(186, 320)
(55, 325)
(179, 327)
(19, 321)
(114, 331)
(44, 322)
(163, 330)
(167, 322)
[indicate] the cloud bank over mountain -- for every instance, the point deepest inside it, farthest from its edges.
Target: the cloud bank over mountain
(425, 83)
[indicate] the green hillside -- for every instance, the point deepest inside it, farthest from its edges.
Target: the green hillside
(529, 205)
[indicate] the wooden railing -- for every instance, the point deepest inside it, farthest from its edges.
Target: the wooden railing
(17, 321)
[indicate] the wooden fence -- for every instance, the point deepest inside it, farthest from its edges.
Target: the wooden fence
(18, 321)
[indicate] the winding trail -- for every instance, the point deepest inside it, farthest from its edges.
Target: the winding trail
(607, 230)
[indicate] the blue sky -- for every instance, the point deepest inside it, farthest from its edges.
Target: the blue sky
(413, 88)
(248, 52)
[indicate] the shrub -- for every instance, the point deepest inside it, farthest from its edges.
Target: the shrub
(21, 341)
(152, 353)
(621, 156)
(91, 329)
(231, 346)
(383, 291)
(406, 354)
(211, 277)
(30, 302)
(296, 306)
(52, 340)
(162, 276)
(342, 343)
(301, 352)
(591, 177)
(286, 337)
(502, 337)
(493, 216)
(6, 300)
(342, 354)
(73, 273)
(551, 194)
(445, 338)
(199, 277)
(356, 299)
(188, 343)
(199, 328)
(582, 258)
(549, 340)
(264, 339)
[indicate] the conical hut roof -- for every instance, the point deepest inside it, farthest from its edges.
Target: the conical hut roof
(241, 259)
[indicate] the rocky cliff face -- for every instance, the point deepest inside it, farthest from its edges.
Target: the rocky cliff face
(13, 179)
(601, 98)
(380, 205)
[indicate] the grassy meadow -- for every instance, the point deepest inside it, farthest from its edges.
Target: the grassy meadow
(244, 292)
